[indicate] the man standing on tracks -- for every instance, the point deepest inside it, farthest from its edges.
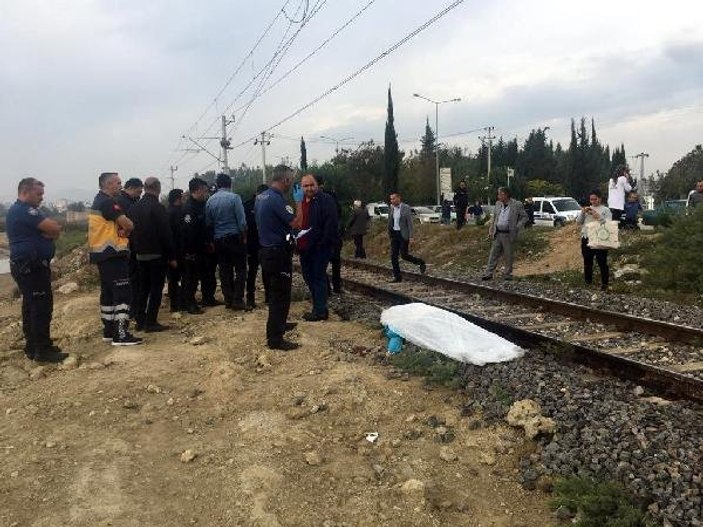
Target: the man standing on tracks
(31, 236)
(320, 236)
(108, 232)
(153, 244)
(508, 219)
(224, 216)
(461, 203)
(400, 230)
(275, 220)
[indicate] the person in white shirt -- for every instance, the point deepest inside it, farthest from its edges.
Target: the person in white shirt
(618, 187)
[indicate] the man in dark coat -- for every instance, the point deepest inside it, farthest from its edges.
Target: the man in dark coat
(358, 226)
(174, 274)
(253, 251)
(461, 202)
(195, 243)
(128, 196)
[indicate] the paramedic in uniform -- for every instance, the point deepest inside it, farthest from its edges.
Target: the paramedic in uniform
(275, 220)
(108, 243)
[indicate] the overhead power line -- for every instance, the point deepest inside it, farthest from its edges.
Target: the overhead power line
(361, 70)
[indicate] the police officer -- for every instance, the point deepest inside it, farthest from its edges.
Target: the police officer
(224, 216)
(253, 251)
(108, 232)
(195, 243)
(31, 236)
(275, 219)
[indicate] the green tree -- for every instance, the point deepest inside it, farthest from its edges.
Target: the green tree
(391, 154)
(682, 176)
(303, 155)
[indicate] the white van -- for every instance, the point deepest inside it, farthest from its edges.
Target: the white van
(555, 211)
(378, 210)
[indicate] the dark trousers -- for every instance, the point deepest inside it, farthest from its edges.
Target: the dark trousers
(133, 273)
(152, 275)
(359, 251)
(115, 295)
(335, 259)
(460, 217)
(193, 271)
(601, 256)
(34, 282)
(616, 213)
(277, 268)
(232, 259)
(399, 246)
(252, 269)
(208, 282)
(313, 263)
(175, 289)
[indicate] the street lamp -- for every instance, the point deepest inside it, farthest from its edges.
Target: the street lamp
(336, 141)
(436, 133)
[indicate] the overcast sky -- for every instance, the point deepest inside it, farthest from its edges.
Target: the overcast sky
(89, 86)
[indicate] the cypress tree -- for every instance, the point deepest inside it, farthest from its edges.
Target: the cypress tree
(303, 155)
(391, 154)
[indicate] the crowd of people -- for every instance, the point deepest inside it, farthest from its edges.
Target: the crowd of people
(138, 243)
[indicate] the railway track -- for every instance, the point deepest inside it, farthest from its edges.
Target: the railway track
(665, 357)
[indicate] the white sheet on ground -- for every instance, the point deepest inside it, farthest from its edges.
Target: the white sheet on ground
(449, 334)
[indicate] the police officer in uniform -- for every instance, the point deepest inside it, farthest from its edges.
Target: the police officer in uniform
(274, 220)
(194, 243)
(108, 232)
(127, 197)
(174, 274)
(31, 236)
(253, 251)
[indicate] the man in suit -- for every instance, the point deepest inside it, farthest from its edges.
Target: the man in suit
(509, 218)
(400, 231)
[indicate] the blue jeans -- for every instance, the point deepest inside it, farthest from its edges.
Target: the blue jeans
(314, 265)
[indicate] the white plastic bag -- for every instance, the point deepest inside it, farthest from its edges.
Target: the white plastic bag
(449, 334)
(603, 235)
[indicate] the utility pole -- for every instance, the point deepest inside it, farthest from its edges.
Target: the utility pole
(641, 155)
(489, 137)
(172, 178)
(225, 143)
(264, 141)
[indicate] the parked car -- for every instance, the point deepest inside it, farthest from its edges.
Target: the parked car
(555, 211)
(378, 210)
(426, 215)
(662, 214)
(438, 210)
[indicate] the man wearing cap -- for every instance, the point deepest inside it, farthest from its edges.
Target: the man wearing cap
(31, 236)
(153, 244)
(224, 215)
(108, 232)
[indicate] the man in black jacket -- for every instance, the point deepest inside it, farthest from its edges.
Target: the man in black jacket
(129, 194)
(461, 202)
(195, 242)
(336, 257)
(174, 274)
(153, 244)
(253, 251)
(316, 246)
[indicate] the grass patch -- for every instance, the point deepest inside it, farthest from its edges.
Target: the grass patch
(73, 235)
(597, 504)
(436, 368)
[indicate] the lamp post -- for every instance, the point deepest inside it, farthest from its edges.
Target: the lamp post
(436, 133)
(336, 141)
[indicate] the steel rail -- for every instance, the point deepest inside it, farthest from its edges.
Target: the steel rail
(661, 381)
(620, 321)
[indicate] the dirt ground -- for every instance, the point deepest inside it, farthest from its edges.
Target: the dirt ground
(563, 254)
(203, 425)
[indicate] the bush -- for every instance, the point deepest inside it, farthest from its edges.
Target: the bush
(674, 262)
(595, 504)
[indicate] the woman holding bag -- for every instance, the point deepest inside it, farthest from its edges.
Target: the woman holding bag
(595, 213)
